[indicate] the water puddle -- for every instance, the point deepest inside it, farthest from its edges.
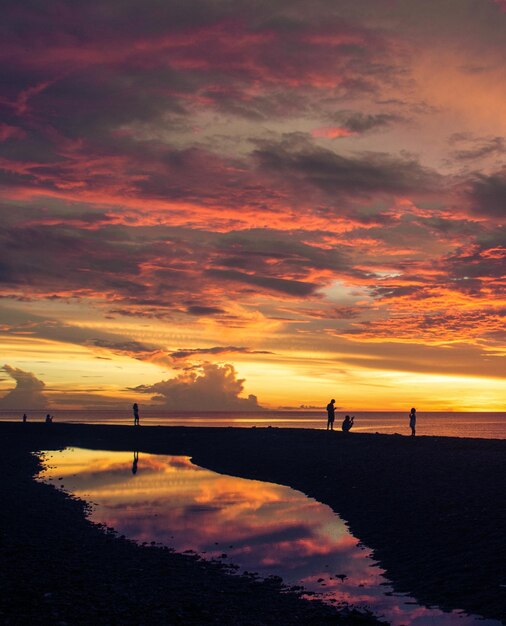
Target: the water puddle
(262, 527)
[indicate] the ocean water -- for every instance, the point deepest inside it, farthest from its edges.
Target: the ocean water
(480, 425)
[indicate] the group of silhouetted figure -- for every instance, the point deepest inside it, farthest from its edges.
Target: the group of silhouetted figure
(48, 419)
(346, 426)
(348, 421)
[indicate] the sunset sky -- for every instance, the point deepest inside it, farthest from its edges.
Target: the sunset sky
(226, 205)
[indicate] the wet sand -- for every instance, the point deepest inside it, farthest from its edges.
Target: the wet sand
(432, 509)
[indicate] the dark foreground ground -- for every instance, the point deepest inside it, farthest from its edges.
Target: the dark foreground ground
(433, 510)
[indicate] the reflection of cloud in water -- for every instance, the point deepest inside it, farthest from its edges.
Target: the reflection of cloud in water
(263, 527)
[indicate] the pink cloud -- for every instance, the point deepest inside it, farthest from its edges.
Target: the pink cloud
(11, 132)
(331, 132)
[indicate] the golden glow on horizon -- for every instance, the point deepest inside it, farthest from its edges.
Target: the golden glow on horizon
(299, 378)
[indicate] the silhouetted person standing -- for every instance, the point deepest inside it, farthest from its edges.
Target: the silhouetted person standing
(24, 418)
(347, 424)
(136, 414)
(331, 414)
(412, 422)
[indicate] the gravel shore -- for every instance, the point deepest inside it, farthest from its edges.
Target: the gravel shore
(432, 509)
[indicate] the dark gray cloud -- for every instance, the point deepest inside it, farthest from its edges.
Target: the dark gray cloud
(183, 353)
(132, 347)
(296, 159)
(481, 265)
(280, 285)
(293, 255)
(202, 311)
(468, 148)
(155, 270)
(68, 261)
(359, 122)
(488, 194)
(256, 248)
(91, 71)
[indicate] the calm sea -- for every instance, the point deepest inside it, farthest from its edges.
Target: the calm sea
(481, 425)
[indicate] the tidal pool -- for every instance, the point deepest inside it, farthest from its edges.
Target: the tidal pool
(262, 527)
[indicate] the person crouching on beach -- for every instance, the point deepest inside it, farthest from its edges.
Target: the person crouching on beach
(412, 422)
(347, 424)
(331, 414)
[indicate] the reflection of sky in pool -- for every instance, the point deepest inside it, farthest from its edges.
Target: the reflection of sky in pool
(262, 527)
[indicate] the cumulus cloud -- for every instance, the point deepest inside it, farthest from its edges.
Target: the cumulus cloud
(28, 394)
(211, 388)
